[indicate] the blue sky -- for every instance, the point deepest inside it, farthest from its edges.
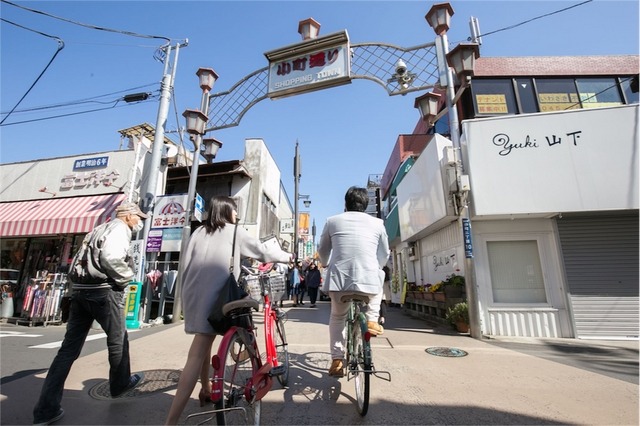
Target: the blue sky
(345, 133)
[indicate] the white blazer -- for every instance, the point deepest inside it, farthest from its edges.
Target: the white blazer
(355, 247)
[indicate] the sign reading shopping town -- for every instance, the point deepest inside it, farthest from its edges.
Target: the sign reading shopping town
(311, 65)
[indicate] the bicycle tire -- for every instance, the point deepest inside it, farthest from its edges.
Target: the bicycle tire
(362, 372)
(239, 368)
(282, 351)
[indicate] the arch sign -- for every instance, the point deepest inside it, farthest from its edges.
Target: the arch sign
(314, 64)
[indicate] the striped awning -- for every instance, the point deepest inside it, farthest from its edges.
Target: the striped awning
(56, 215)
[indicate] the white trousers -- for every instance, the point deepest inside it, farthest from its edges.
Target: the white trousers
(338, 320)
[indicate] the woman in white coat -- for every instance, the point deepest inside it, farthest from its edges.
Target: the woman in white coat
(205, 270)
(354, 246)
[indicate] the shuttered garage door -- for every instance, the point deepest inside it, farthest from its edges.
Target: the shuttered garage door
(600, 254)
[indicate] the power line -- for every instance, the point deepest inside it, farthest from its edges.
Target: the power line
(93, 99)
(60, 47)
(94, 27)
(532, 19)
(115, 105)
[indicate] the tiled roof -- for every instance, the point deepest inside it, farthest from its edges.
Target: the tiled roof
(532, 66)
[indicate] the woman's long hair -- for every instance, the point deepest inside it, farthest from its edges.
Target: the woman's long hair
(220, 213)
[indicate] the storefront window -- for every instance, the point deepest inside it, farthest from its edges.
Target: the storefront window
(626, 83)
(494, 97)
(12, 252)
(557, 94)
(598, 92)
(516, 274)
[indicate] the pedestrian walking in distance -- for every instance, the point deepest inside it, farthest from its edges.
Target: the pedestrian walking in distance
(102, 269)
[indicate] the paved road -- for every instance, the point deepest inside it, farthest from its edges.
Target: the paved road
(494, 384)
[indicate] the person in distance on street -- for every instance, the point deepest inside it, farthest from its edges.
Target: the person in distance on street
(97, 294)
(312, 279)
(205, 271)
(354, 246)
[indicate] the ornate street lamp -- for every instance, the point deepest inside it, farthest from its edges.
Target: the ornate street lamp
(211, 147)
(309, 29)
(462, 59)
(439, 17)
(427, 104)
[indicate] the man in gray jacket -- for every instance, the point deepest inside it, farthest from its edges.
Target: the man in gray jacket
(98, 295)
(355, 247)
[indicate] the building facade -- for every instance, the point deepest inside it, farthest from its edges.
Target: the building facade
(550, 155)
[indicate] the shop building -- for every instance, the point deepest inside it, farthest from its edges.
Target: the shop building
(550, 150)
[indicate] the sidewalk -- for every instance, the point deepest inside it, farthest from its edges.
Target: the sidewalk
(490, 385)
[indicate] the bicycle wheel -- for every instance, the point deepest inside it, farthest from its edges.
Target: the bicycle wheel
(239, 368)
(282, 351)
(362, 362)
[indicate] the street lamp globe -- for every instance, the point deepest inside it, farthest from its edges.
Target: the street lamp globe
(196, 121)
(307, 203)
(207, 78)
(427, 104)
(462, 59)
(211, 147)
(439, 17)
(309, 29)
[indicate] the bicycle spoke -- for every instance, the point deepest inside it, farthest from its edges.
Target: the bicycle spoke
(239, 368)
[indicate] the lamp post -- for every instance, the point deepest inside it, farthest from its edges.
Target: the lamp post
(196, 121)
(439, 17)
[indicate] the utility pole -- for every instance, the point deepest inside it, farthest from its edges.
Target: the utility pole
(296, 181)
(149, 193)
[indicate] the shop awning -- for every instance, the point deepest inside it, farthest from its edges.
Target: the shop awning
(56, 215)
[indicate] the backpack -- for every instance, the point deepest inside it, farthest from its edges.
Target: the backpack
(85, 267)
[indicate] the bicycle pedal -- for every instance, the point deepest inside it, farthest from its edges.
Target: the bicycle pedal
(277, 371)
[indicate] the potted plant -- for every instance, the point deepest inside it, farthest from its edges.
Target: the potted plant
(454, 286)
(437, 291)
(458, 316)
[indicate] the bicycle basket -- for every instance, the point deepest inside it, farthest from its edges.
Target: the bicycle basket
(277, 286)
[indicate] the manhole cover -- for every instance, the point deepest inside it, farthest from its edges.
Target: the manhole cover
(441, 351)
(153, 381)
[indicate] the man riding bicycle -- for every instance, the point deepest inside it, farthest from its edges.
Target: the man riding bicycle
(355, 247)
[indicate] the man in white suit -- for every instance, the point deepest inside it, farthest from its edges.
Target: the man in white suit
(355, 247)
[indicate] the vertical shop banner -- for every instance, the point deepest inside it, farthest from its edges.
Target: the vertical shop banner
(303, 224)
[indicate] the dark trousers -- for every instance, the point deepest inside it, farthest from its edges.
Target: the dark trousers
(107, 307)
(313, 294)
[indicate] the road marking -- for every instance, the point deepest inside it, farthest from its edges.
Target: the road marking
(57, 344)
(17, 334)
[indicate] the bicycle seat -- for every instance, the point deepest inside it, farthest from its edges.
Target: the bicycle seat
(247, 302)
(348, 297)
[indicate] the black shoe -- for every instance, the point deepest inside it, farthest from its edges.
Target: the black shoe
(52, 419)
(313, 305)
(301, 303)
(134, 381)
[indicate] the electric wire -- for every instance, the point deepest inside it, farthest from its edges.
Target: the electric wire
(94, 27)
(115, 105)
(59, 48)
(81, 101)
(531, 20)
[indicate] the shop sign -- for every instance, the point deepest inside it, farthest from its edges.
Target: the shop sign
(170, 211)
(82, 180)
(311, 65)
(154, 241)
(286, 226)
(91, 163)
(171, 239)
